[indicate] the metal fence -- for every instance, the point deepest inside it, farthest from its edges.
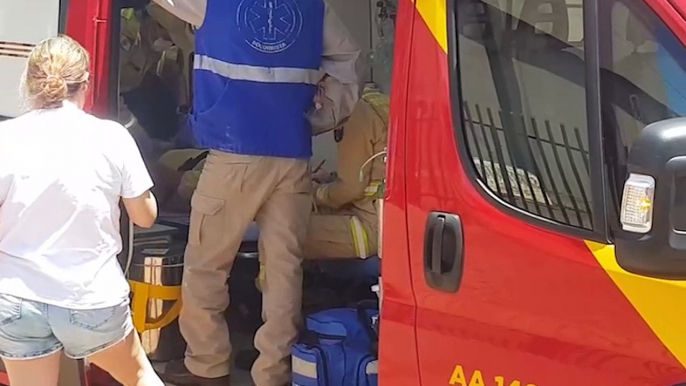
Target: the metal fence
(539, 166)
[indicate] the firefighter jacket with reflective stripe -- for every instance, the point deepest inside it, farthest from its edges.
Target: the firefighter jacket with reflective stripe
(360, 138)
(256, 69)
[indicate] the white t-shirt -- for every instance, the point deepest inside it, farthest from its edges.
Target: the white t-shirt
(62, 174)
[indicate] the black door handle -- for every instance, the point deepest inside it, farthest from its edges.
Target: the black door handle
(438, 227)
(443, 251)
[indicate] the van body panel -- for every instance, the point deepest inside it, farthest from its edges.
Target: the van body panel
(673, 13)
(535, 307)
(398, 341)
(88, 22)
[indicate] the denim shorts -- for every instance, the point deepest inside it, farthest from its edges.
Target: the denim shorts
(30, 330)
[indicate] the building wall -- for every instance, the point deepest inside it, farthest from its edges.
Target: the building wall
(17, 36)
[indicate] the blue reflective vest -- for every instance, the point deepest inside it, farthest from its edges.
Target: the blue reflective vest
(256, 68)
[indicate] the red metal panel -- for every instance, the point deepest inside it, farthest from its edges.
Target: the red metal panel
(534, 306)
(680, 6)
(673, 13)
(399, 363)
(88, 23)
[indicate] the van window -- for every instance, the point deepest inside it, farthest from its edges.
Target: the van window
(383, 43)
(641, 77)
(522, 82)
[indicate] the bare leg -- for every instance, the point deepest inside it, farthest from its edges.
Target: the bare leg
(43, 371)
(127, 363)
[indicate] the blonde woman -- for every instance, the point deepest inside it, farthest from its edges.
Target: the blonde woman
(62, 175)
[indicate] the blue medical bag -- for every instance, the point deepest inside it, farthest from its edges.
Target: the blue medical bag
(339, 347)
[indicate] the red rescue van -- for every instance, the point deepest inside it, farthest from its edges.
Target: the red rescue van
(532, 224)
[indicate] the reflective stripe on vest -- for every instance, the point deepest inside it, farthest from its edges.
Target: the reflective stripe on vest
(372, 189)
(360, 239)
(257, 74)
(127, 13)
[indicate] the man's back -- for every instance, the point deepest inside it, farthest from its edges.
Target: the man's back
(291, 44)
(256, 69)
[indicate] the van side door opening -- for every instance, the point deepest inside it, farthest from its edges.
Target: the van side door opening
(371, 23)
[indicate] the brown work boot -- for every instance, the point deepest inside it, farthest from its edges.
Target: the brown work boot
(178, 374)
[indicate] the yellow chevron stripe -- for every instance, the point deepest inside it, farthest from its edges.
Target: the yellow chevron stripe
(434, 13)
(661, 303)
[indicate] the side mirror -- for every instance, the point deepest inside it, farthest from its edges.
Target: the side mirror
(652, 241)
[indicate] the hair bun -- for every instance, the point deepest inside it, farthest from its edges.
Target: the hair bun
(55, 88)
(57, 70)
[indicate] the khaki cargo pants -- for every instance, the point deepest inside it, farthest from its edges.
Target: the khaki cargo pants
(233, 191)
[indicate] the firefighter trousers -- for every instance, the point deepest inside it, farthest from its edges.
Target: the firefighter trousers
(337, 234)
(233, 191)
(334, 235)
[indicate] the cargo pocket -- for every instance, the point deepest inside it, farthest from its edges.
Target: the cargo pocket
(202, 208)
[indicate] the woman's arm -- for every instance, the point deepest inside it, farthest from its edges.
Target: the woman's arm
(142, 210)
(136, 183)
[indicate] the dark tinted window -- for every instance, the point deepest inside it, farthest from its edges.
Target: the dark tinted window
(522, 82)
(642, 75)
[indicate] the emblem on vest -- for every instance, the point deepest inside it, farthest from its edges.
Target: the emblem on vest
(269, 26)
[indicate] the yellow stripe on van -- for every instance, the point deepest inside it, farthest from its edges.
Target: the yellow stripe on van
(434, 13)
(661, 303)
